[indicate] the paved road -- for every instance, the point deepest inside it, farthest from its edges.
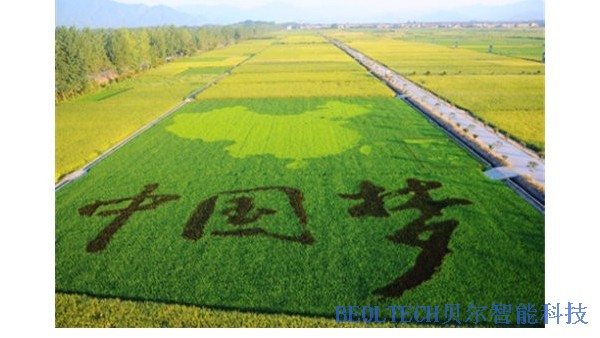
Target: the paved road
(521, 161)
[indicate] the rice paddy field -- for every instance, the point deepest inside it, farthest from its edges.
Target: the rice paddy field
(313, 68)
(89, 125)
(504, 88)
(296, 184)
(525, 43)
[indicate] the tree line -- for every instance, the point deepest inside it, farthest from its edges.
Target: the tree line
(86, 58)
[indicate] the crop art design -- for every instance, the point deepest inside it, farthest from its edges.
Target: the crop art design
(235, 213)
(432, 238)
(277, 180)
(241, 213)
(137, 203)
(312, 134)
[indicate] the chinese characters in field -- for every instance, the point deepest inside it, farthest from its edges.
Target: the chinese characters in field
(253, 212)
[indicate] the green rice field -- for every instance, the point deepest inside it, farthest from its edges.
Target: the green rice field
(296, 184)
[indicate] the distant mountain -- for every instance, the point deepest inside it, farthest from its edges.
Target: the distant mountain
(277, 12)
(110, 14)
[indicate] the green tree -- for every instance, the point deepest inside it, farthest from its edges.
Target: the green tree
(93, 52)
(158, 46)
(83, 56)
(120, 48)
(186, 42)
(70, 73)
(143, 49)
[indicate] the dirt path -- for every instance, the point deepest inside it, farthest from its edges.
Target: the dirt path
(520, 165)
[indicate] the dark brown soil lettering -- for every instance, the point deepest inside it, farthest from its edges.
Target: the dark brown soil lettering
(122, 215)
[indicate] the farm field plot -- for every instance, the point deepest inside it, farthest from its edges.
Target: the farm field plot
(506, 92)
(526, 43)
(91, 124)
(295, 205)
(311, 67)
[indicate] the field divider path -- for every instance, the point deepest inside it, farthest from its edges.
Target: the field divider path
(74, 175)
(489, 146)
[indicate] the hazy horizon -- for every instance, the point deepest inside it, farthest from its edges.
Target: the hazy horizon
(373, 5)
(136, 13)
(341, 10)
